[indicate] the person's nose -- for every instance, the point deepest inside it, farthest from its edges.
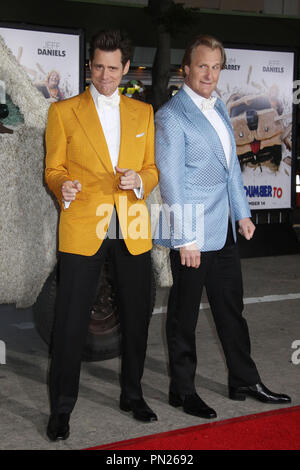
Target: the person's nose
(209, 74)
(104, 73)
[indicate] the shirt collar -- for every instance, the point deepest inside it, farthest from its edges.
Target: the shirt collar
(198, 99)
(95, 93)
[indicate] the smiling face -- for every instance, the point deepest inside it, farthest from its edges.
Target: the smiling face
(203, 73)
(107, 70)
(53, 80)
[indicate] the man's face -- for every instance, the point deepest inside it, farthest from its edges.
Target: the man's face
(107, 71)
(202, 74)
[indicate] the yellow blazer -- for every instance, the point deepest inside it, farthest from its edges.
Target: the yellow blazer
(77, 149)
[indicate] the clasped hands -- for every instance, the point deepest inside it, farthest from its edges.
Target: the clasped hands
(129, 179)
(190, 255)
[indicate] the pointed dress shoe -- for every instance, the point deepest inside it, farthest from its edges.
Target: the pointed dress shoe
(192, 405)
(259, 392)
(141, 411)
(58, 428)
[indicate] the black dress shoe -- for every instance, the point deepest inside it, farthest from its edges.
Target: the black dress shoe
(58, 428)
(141, 411)
(258, 391)
(192, 405)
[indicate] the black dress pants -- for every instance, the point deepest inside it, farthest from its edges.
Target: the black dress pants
(78, 284)
(220, 272)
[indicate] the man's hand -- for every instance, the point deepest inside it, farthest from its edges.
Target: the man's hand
(129, 179)
(246, 228)
(69, 190)
(190, 256)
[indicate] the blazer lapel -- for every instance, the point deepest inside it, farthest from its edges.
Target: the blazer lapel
(88, 118)
(227, 123)
(128, 118)
(204, 127)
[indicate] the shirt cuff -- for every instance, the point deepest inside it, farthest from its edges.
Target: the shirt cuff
(186, 244)
(139, 192)
(66, 204)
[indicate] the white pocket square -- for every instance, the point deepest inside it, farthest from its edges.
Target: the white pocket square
(140, 135)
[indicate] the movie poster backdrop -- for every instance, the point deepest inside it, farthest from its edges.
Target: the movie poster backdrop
(257, 87)
(52, 58)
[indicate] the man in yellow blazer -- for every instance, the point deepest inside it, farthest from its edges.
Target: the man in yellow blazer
(100, 166)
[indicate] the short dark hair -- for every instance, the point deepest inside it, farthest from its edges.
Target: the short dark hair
(203, 40)
(111, 41)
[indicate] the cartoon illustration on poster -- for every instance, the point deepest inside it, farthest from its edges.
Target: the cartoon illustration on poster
(257, 87)
(51, 60)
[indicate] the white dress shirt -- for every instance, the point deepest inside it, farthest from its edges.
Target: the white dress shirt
(216, 121)
(219, 126)
(109, 117)
(111, 124)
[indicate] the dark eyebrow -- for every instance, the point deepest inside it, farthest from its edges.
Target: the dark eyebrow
(217, 63)
(101, 65)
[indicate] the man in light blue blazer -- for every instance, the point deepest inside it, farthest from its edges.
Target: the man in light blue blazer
(203, 200)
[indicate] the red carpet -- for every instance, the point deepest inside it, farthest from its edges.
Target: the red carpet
(273, 430)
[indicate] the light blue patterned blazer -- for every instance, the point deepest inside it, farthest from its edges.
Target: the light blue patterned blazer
(198, 189)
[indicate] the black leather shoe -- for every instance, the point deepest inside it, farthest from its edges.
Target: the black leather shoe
(192, 405)
(58, 428)
(258, 391)
(141, 411)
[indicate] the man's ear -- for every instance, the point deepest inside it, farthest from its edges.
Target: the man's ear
(126, 67)
(90, 64)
